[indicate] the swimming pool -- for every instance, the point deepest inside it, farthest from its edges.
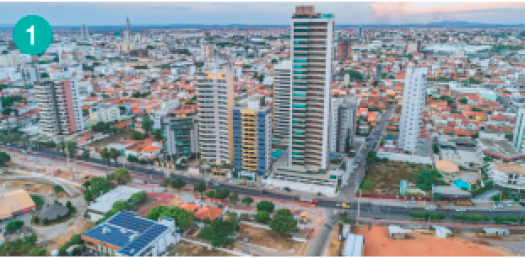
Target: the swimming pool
(461, 184)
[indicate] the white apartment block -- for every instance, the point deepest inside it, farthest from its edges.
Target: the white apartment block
(106, 113)
(59, 107)
(508, 175)
(412, 108)
(216, 101)
(519, 130)
(342, 123)
(282, 98)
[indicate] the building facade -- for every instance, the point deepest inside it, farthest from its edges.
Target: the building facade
(344, 50)
(343, 121)
(181, 133)
(507, 175)
(252, 135)
(311, 52)
(59, 107)
(412, 108)
(282, 98)
(106, 113)
(519, 131)
(216, 101)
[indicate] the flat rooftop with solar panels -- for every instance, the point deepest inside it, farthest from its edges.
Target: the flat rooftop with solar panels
(126, 234)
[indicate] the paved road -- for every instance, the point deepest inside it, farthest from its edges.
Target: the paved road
(156, 176)
(317, 246)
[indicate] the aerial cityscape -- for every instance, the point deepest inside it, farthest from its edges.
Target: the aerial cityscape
(292, 129)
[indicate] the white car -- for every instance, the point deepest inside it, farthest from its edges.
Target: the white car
(215, 184)
(430, 208)
(461, 209)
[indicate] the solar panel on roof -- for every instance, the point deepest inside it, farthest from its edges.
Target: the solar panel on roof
(143, 240)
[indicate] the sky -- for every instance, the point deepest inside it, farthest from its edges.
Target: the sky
(259, 13)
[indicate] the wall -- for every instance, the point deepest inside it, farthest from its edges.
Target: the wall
(404, 157)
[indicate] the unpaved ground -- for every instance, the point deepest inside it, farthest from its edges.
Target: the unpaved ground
(378, 243)
(513, 243)
(33, 187)
(335, 244)
(188, 249)
(80, 226)
(269, 239)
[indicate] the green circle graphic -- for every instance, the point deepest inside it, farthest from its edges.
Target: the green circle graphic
(32, 35)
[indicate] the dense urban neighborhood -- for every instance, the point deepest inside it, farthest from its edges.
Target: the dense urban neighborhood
(311, 139)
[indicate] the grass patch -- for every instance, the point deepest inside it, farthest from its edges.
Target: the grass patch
(367, 184)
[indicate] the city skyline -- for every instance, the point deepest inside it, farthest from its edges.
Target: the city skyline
(268, 13)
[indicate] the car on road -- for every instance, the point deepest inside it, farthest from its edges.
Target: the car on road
(408, 207)
(343, 205)
(250, 184)
(215, 184)
(265, 192)
(430, 208)
(461, 209)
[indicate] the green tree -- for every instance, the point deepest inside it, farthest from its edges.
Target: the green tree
(105, 154)
(135, 135)
(463, 101)
(157, 134)
(138, 198)
(14, 225)
(283, 222)
(426, 178)
(199, 188)
(57, 189)
(219, 233)
(122, 176)
(85, 153)
(114, 154)
(4, 158)
(183, 218)
(262, 216)
(234, 197)
(265, 206)
(132, 159)
(222, 194)
(147, 124)
(247, 200)
(178, 183)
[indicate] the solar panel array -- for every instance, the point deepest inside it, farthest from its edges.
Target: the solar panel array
(148, 231)
(113, 237)
(129, 221)
(143, 240)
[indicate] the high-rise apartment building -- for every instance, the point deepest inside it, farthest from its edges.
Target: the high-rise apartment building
(59, 107)
(412, 109)
(519, 131)
(181, 132)
(216, 101)
(84, 35)
(311, 52)
(282, 93)
(343, 121)
(344, 50)
(252, 135)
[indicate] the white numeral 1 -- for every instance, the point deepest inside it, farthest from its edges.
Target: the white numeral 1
(32, 31)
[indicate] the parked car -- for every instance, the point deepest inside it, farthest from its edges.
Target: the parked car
(431, 208)
(287, 189)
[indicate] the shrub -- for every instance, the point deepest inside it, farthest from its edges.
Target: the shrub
(262, 216)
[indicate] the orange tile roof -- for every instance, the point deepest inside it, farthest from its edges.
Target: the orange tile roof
(189, 206)
(208, 212)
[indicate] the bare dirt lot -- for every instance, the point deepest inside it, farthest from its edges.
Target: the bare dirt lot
(188, 249)
(379, 244)
(270, 239)
(33, 187)
(79, 227)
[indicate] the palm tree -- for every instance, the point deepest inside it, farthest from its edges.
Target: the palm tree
(105, 155)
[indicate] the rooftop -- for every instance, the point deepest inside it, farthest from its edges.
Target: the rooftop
(502, 149)
(510, 168)
(104, 203)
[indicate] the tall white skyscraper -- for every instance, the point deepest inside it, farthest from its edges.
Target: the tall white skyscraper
(282, 112)
(215, 96)
(519, 131)
(412, 109)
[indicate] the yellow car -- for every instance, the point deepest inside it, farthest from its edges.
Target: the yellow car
(343, 205)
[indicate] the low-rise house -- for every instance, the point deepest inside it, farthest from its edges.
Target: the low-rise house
(509, 175)
(15, 203)
(104, 203)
